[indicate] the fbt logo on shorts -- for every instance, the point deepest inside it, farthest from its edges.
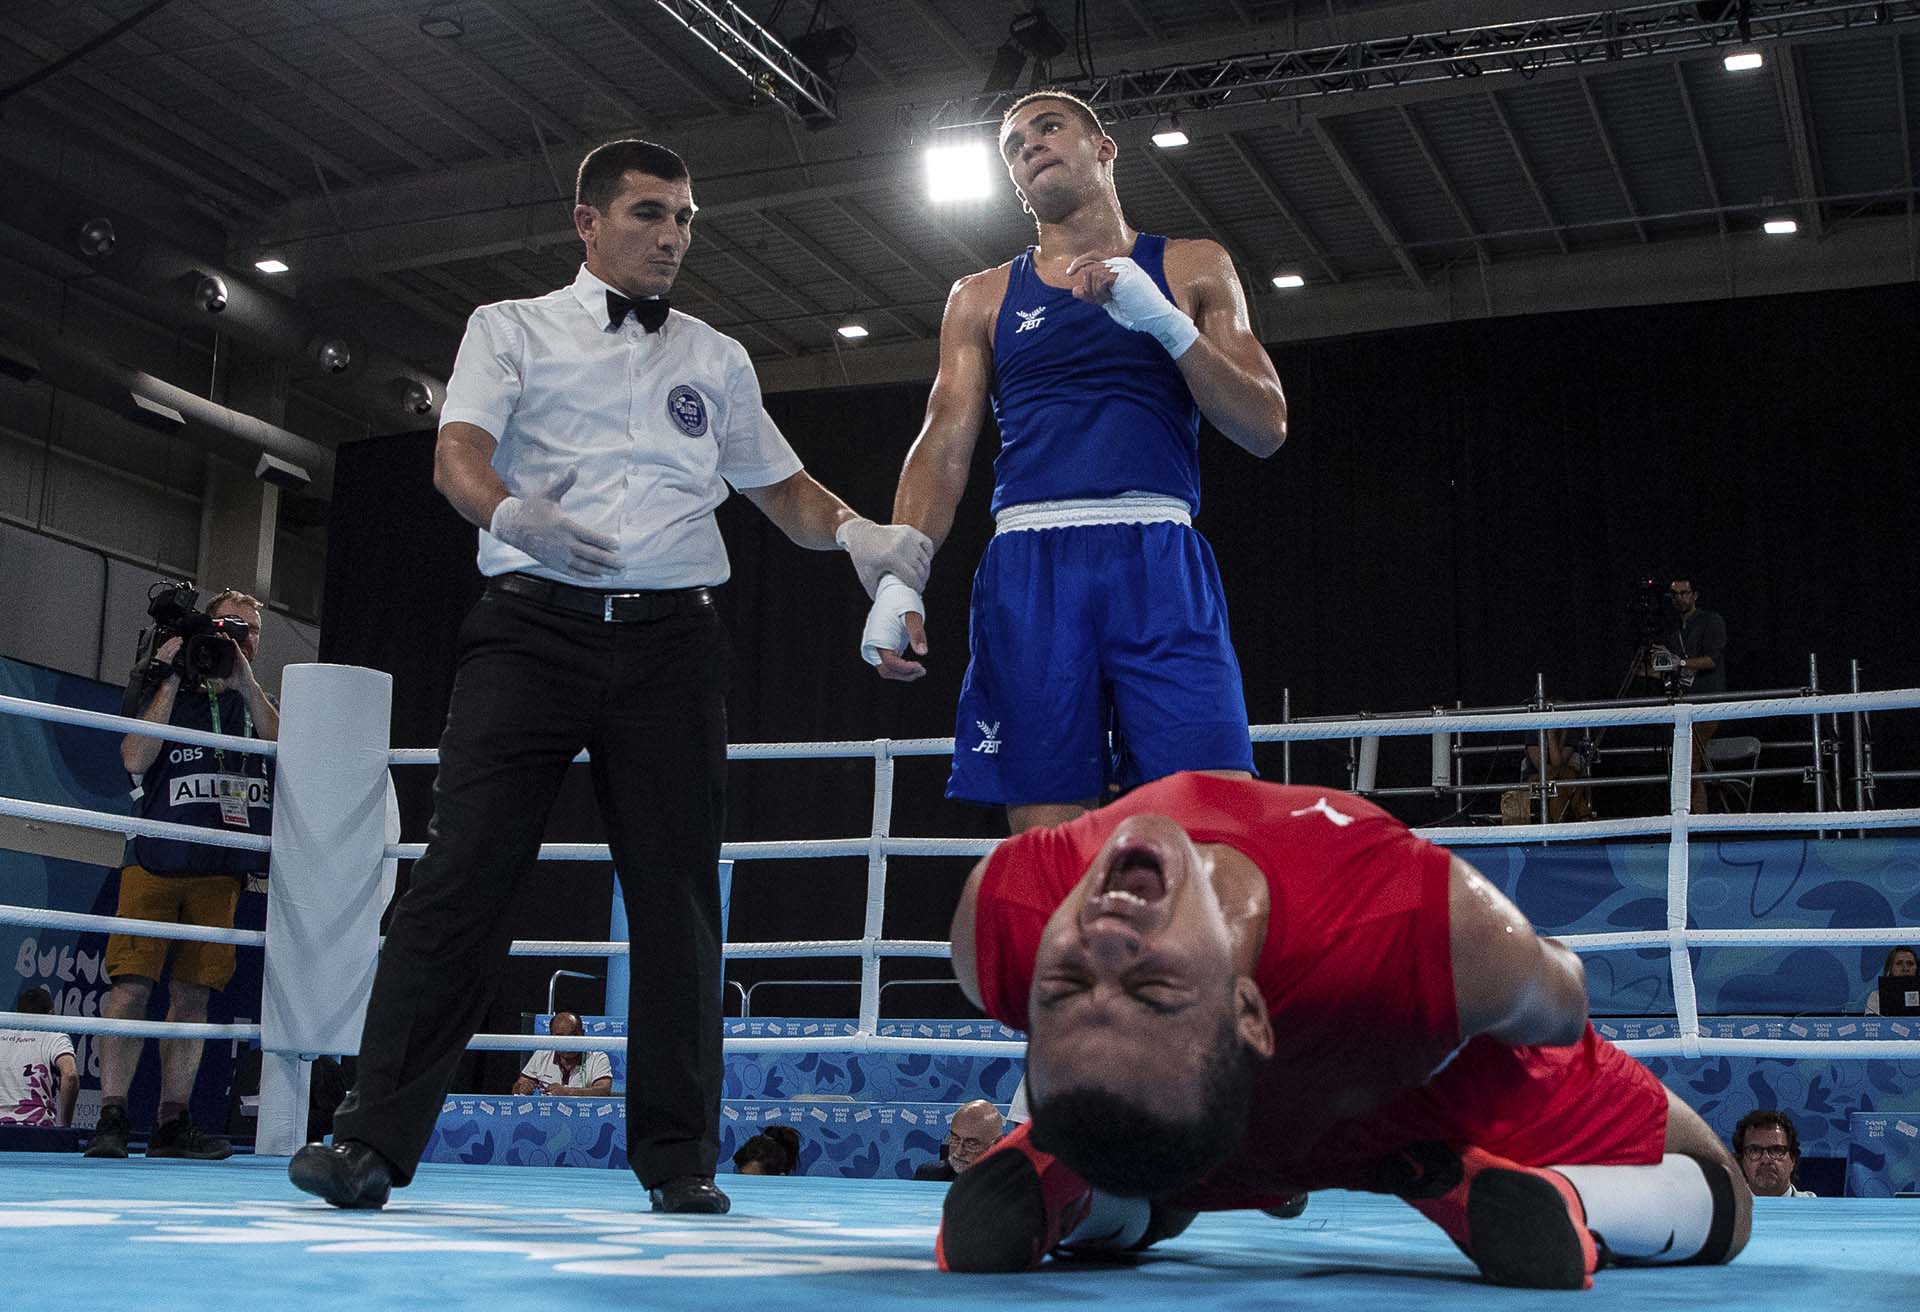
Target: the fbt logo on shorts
(989, 738)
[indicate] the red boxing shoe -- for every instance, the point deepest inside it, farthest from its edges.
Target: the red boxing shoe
(1009, 1209)
(1522, 1226)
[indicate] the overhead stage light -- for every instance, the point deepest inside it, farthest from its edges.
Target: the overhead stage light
(271, 265)
(1780, 227)
(1288, 280)
(1743, 61)
(853, 332)
(1171, 135)
(961, 171)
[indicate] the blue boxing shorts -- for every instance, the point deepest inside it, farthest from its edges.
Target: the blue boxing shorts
(1078, 629)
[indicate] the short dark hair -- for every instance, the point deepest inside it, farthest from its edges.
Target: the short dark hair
(1119, 1146)
(768, 1152)
(1081, 109)
(598, 181)
(1765, 1120)
(35, 1000)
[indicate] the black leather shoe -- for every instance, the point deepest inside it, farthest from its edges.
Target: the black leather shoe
(689, 1193)
(347, 1174)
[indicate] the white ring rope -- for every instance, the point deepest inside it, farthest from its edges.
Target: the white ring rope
(879, 845)
(40, 918)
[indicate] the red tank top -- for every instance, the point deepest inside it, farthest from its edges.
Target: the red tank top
(1357, 969)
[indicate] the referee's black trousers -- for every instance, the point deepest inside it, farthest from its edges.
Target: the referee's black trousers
(534, 685)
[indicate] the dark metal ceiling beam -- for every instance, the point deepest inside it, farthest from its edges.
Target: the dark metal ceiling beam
(712, 295)
(1257, 270)
(1527, 171)
(508, 90)
(1440, 175)
(570, 64)
(1613, 155)
(1801, 146)
(1700, 146)
(649, 45)
(312, 90)
(448, 117)
(769, 69)
(1270, 188)
(840, 269)
(724, 246)
(463, 290)
(115, 90)
(212, 194)
(952, 37)
(892, 245)
(1143, 20)
(1369, 205)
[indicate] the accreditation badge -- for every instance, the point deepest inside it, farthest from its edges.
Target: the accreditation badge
(233, 800)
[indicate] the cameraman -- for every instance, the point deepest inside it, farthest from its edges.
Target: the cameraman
(1697, 642)
(185, 883)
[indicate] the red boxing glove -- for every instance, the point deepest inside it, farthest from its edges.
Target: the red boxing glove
(1009, 1209)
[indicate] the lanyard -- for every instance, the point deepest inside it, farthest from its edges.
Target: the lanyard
(246, 728)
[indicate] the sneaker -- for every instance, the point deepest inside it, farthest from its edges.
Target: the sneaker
(179, 1137)
(110, 1133)
(1523, 1226)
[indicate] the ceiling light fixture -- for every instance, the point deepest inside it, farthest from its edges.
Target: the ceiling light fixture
(853, 332)
(441, 27)
(1780, 227)
(1285, 281)
(1172, 135)
(271, 265)
(1743, 61)
(959, 172)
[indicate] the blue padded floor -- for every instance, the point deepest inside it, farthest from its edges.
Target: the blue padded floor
(159, 1235)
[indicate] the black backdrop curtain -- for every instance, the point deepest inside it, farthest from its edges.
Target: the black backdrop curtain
(1459, 508)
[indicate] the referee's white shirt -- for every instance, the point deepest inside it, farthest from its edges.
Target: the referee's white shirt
(655, 425)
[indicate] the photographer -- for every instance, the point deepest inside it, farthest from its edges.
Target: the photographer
(179, 882)
(1693, 653)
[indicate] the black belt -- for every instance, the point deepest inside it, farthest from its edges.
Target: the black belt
(610, 607)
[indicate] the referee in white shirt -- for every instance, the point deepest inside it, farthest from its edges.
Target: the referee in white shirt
(589, 433)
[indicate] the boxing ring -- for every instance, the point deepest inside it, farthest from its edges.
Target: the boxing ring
(160, 1232)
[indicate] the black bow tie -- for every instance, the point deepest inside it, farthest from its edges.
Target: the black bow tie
(651, 314)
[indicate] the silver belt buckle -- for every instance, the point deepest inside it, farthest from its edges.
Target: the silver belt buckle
(606, 612)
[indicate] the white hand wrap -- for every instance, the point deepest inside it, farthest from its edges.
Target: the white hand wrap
(887, 621)
(1138, 303)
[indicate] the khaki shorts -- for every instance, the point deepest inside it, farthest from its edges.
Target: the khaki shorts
(207, 900)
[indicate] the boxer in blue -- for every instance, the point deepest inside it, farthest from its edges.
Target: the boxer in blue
(1096, 605)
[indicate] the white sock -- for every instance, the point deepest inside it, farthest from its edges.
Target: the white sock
(1114, 1223)
(1647, 1214)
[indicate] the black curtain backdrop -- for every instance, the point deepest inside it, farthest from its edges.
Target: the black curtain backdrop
(1459, 508)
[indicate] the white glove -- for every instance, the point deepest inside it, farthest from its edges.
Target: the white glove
(880, 549)
(535, 525)
(887, 621)
(1138, 303)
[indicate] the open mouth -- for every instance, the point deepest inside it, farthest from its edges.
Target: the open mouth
(1135, 877)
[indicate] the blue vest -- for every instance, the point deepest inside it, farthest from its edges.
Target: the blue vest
(1087, 408)
(184, 785)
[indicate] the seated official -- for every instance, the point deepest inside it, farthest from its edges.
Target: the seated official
(1767, 1147)
(773, 1151)
(569, 1074)
(976, 1127)
(39, 1081)
(1901, 961)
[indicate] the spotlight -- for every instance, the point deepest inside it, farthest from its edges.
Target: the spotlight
(417, 399)
(335, 356)
(853, 332)
(1172, 135)
(210, 293)
(271, 265)
(96, 238)
(1037, 36)
(959, 172)
(1780, 227)
(1743, 61)
(1288, 280)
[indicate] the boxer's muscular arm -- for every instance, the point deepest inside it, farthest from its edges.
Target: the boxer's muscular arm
(935, 474)
(965, 969)
(1508, 982)
(1230, 374)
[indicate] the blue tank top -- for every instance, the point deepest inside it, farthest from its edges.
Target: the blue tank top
(1087, 408)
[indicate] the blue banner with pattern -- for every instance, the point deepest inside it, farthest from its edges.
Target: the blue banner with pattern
(1883, 1157)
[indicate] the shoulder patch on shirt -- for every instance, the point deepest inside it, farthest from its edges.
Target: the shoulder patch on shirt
(687, 408)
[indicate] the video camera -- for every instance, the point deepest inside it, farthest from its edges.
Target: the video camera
(1651, 606)
(208, 646)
